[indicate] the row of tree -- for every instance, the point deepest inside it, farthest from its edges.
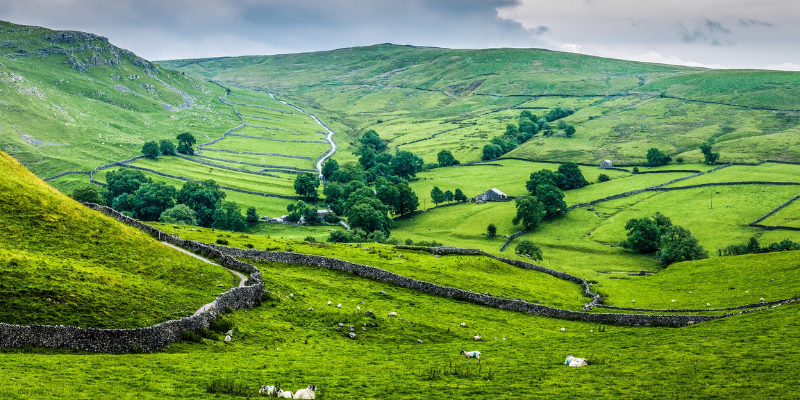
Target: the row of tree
(528, 126)
(754, 247)
(438, 196)
(196, 203)
(656, 157)
(153, 149)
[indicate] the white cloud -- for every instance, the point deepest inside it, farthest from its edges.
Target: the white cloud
(572, 48)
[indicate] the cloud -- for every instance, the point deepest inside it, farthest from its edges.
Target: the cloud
(748, 22)
(715, 26)
(572, 48)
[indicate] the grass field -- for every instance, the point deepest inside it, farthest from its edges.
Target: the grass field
(62, 263)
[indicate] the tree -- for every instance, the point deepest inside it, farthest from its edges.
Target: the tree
(229, 217)
(528, 248)
(656, 157)
(150, 149)
(437, 195)
(366, 157)
(573, 177)
(491, 230)
(252, 215)
(603, 178)
(459, 196)
(88, 194)
(407, 200)
(446, 159)
(329, 168)
(166, 147)
(185, 142)
(491, 152)
(710, 157)
(552, 199)
(645, 234)
(369, 214)
(373, 141)
(180, 214)
(680, 245)
(529, 212)
(558, 113)
(202, 197)
(123, 180)
(448, 195)
(152, 199)
(306, 185)
(406, 164)
(569, 130)
(540, 177)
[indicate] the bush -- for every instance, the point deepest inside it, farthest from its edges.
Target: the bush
(603, 178)
(409, 242)
(135, 349)
(227, 386)
(392, 241)
(191, 336)
(223, 242)
(310, 239)
(220, 325)
(635, 170)
(679, 159)
(529, 249)
(491, 230)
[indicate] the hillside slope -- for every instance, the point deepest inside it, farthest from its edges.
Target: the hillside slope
(62, 263)
(424, 99)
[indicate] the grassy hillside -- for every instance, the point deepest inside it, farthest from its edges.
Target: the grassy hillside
(460, 99)
(62, 263)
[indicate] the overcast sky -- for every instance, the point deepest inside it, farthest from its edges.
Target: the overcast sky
(710, 33)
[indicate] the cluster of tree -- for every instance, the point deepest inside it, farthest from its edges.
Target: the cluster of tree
(656, 157)
(546, 194)
(153, 149)
(528, 249)
(671, 243)
(376, 162)
(528, 126)
(710, 157)
(132, 193)
(568, 176)
(603, 178)
(357, 235)
(447, 196)
(754, 247)
(303, 212)
(446, 159)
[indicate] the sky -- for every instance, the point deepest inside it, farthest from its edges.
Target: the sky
(708, 33)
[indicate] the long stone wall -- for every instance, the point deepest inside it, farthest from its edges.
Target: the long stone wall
(149, 338)
(463, 295)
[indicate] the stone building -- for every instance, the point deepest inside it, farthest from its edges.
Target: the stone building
(606, 164)
(492, 194)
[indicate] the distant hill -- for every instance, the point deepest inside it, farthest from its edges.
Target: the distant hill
(62, 263)
(424, 99)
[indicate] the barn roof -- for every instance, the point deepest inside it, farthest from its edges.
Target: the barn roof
(497, 191)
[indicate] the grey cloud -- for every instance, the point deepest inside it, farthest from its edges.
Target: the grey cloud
(715, 26)
(752, 22)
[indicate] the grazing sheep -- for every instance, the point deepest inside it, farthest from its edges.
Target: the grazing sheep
(563, 329)
(633, 301)
(229, 333)
(575, 362)
(339, 305)
(673, 301)
(227, 338)
(291, 295)
(307, 393)
(762, 300)
(476, 337)
(267, 389)
(358, 308)
(472, 354)
(284, 394)
(392, 314)
(708, 304)
(329, 303)
(463, 325)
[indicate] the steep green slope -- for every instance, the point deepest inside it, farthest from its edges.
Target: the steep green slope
(62, 263)
(73, 101)
(426, 99)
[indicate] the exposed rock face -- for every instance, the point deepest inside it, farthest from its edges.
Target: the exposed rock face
(74, 37)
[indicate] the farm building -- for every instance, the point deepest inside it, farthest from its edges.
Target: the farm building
(606, 164)
(492, 194)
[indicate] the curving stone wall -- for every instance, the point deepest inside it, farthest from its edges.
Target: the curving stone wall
(149, 338)
(220, 166)
(67, 173)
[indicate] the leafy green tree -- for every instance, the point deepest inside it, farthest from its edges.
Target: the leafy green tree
(372, 140)
(511, 130)
(710, 157)
(166, 147)
(124, 204)
(306, 185)
(387, 193)
(407, 200)
(437, 195)
(491, 152)
(150, 149)
(123, 180)
(448, 196)
(656, 157)
(538, 178)
(558, 113)
(459, 196)
(569, 130)
(185, 142)
(529, 249)
(369, 214)
(529, 211)
(645, 234)
(88, 194)
(525, 114)
(366, 157)
(180, 214)
(229, 217)
(491, 230)
(573, 176)
(329, 168)
(202, 197)
(552, 199)
(446, 159)
(251, 215)
(406, 164)
(679, 245)
(603, 178)
(152, 199)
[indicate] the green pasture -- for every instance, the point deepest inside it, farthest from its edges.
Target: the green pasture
(276, 134)
(260, 159)
(241, 144)
(767, 172)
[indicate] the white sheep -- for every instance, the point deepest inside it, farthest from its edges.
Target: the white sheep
(339, 305)
(472, 354)
(476, 337)
(267, 389)
(463, 325)
(307, 393)
(708, 304)
(575, 362)
(284, 394)
(762, 300)
(392, 314)
(229, 333)
(291, 295)
(563, 329)
(329, 303)
(358, 308)
(227, 338)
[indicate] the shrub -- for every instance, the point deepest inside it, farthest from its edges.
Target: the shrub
(310, 239)
(135, 349)
(679, 159)
(223, 242)
(227, 386)
(529, 249)
(635, 170)
(409, 242)
(603, 178)
(191, 336)
(491, 230)
(220, 325)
